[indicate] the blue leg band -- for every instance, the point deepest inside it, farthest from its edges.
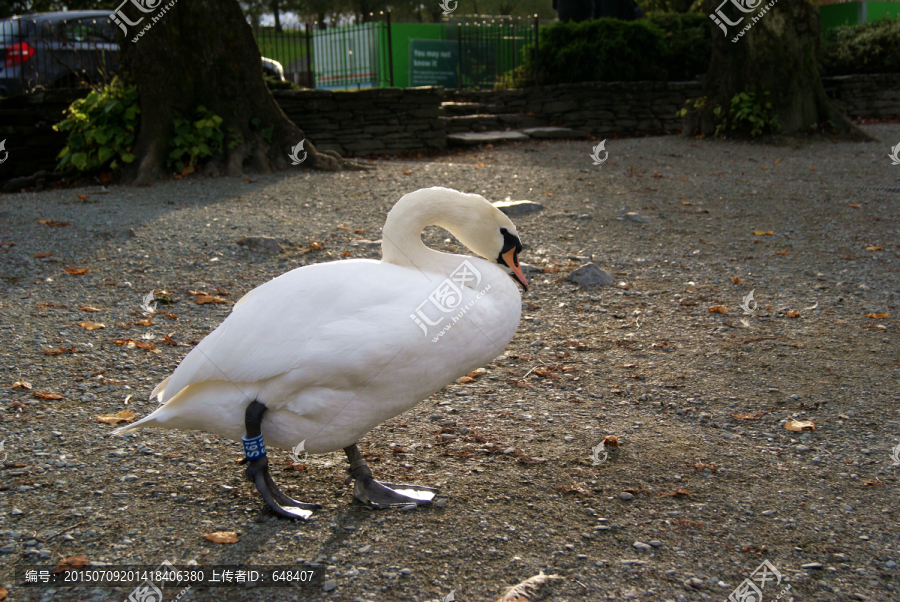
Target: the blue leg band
(255, 448)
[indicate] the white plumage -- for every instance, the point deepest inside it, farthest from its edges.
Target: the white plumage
(331, 349)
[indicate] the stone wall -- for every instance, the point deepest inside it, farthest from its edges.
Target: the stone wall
(596, 108)
(381, 121)
(865, 95)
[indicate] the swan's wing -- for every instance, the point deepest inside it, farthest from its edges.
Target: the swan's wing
(306, 322)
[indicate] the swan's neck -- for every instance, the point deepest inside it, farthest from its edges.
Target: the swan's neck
(402, 235)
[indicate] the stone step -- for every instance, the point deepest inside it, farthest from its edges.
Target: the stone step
(470, 108)
(485, 122)
(476, 138)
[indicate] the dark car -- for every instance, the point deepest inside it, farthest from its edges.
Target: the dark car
(55, 50)
(64, 50)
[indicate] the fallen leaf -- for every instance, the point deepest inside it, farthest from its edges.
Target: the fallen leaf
(777, 161)
(874, 248)
(465, 379)
(610, 441)
(123, 416)
(123, 341)
(686, 203)
(359, 231)
(813, 168)
(779, 252)
(148, 321)
(202, 299)
(47, 395)
(145, 346)
(249, 181)
(52, 223)
(170, 340)
(854, 205)
(91, 325)
(346, 254)
(71, 562)
(77, 271)
(3, 593)
(89, 308)
(222, 537)
(676, 493)
(700, 466)
(82, 197)
(718, 309)
(878, 316)
(873, 483)
(407, 173)
(754, 416)
(737, 281)
(59, 350)
(763, 167)
(42, 255)
(798, 426)
(763, 232)
(792, 314)
(22, 384)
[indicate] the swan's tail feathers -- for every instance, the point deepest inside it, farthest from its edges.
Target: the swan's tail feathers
(160, 390)
(128, 428)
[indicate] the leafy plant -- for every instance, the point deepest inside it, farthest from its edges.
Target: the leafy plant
(101, 127)
(691, 104)
(195, 139)
(863, 48)
(746, 115)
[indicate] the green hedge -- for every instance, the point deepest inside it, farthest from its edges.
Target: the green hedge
(688, 38)
(864, 48)
(661, 47)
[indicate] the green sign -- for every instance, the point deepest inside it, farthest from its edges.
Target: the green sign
(433, 63)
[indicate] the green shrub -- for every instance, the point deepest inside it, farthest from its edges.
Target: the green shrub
(101, 128)
(599, 50)
(864, 48)
(689, 39)
(195, 139)
(746, 116)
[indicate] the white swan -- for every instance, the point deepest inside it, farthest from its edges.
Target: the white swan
(324, 353)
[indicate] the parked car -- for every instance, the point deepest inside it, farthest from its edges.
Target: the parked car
(64, 50)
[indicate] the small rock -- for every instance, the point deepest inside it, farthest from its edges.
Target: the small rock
(405, 572)
(329, 585)
(591, 275)
(364, 550)
(8, 548)
(802, 448)
(474, 139)
(656, 543)
(514, 208)
(16, 512)
(263, 244)
(811, 566)
(694, 583)
(625, 496)
(550, 132)
(634, 216)
(408, 507)
(768, 512)
(641, 546)
(441, 503)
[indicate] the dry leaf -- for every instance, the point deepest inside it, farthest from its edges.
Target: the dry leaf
(123, 341)
(854, 205)
(813, 168)
(763, 232)
(22, 384)
(699, 466)
(123, 416)
(878, 316)
(169, 340)
(3, 593)
(359, 231)
(610, 441)
(520, 591)
(77, 271)
(148, 321)
(346, 254)
(59, 350)
(202, 299)
(91, 325)
(798, 426)
(676, 493)
(47, 395)
(222, 537)
(737, 281)
(72, 562)
(718, 309)
(42, 255)
(792, 314)
(754, 416)
(465, 379)
(874, 248)
(145, 346)
(686, 203)
(779, 252)
(82, 197)
(89, 308)
(52, 223)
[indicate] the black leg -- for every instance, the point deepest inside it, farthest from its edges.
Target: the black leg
(258, 472)
(382, 495)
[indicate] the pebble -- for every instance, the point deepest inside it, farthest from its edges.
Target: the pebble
(694, 583)
(656, 543)
(441, 503)
(811, 566)
(514, 208)
(625, 496)
(643, 547)
(768, 513)
(591, 275)
(364, 549)
(408, 507)
(329, 585)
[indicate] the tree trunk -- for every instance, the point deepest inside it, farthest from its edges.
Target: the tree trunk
(276, 13)
(202, 52)
(778, 54)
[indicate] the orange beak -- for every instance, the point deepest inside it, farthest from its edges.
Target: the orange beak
(512, 261)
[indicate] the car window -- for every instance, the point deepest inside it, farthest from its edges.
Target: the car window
(12, 29)
(92, 29)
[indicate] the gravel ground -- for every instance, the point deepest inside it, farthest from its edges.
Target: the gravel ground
(706, 483)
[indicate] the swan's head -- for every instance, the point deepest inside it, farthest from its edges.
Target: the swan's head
(489, 233)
